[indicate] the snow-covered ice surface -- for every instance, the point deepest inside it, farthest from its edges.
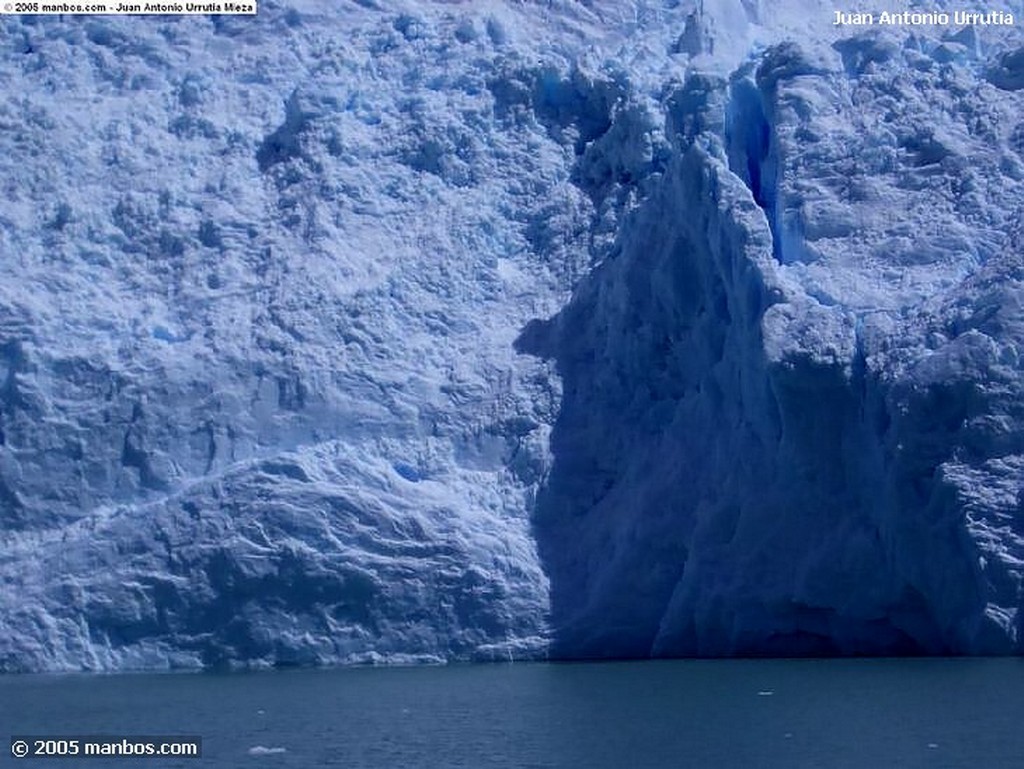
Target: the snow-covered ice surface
(419, 331)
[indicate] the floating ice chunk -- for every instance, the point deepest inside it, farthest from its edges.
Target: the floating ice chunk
(260, 750)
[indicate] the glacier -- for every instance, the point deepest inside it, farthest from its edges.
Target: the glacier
(436, 331)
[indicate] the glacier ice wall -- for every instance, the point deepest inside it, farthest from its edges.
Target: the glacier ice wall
(792, 392)
(261, 280)
(490, 330)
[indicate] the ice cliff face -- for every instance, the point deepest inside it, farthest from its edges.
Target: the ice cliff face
(792, 392)
(476, 331)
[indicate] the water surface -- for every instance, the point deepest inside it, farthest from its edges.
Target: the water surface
(749, 714)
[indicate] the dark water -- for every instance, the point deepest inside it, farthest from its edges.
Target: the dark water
(790, 714)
